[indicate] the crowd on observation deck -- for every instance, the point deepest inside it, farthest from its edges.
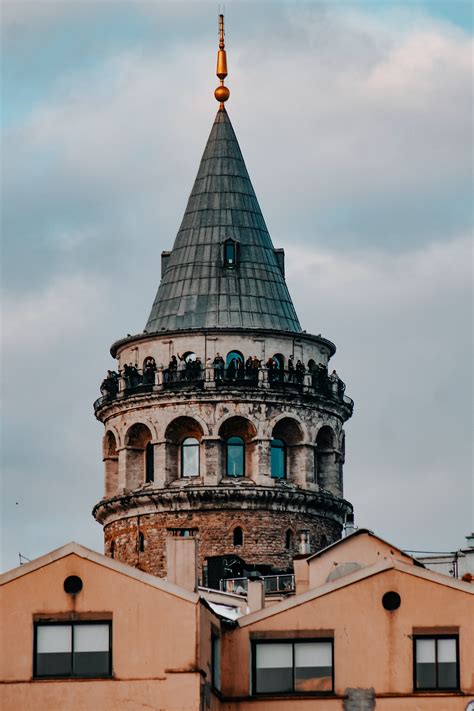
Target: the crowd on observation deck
(189, 367)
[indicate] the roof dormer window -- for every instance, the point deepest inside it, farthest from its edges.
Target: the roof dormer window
(230, 254)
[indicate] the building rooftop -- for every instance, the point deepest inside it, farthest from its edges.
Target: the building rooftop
(202, 285)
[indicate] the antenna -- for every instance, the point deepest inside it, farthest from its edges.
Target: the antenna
(23, 559)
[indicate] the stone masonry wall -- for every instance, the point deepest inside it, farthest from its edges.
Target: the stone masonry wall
(264, 536)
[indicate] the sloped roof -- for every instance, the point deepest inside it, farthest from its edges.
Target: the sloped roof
(355, 534)
(196, 290)
(352, 579)
(110, 563)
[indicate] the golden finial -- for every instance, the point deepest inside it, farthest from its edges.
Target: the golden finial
(222, 93)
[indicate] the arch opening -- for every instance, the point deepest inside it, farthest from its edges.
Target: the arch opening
(190, 457)
(327, 468)
(140, 456)
(238, 536)
(183, 438)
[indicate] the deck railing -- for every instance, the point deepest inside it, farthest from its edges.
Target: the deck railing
(273, 584)
(135, 383)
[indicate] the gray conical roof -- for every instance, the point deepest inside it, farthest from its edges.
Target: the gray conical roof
(196, 289)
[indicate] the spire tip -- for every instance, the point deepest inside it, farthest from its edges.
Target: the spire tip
(222, 93)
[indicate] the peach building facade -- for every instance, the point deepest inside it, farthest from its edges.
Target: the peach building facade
(374, 630)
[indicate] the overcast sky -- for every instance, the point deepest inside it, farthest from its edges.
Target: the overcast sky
(355, 121)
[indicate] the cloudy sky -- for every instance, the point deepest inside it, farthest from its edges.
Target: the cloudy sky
(355, 120)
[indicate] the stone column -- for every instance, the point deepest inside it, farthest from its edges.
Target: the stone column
(212, 464)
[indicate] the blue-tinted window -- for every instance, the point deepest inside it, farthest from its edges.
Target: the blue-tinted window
(235, 456)
(278, 459)
(230, 254)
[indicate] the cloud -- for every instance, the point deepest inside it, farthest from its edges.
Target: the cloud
(403, 327)
(356, 128)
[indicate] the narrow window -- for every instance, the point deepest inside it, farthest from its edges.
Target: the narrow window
(436, 663)
(141, 543)
(112, 549)
(289, 539)
(238, 536)
(216, 661)
(230, 253)
(278, 459)
(72, 650)
(293, 667)
(190, 457)
(149, 463)
(235, 456)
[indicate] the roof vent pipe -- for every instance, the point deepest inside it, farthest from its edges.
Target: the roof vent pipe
(349, 525)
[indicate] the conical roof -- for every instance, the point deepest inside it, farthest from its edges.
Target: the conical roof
(197, 290)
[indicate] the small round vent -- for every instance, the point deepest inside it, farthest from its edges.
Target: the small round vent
(73, 584)
(391, 600)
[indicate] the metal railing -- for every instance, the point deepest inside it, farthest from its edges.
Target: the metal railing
(273, 584)
(137, 382)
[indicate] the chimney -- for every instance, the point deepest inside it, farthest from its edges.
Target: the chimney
(349, 525)
(181, 559)
(255, 593)
(301, 569)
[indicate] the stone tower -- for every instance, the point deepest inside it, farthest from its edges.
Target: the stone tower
(212, 428)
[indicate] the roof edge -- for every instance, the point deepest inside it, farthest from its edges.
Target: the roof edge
(81, 551)
(351, 579)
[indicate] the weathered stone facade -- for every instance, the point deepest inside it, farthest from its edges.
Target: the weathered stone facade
(264, 536)
(266, 444)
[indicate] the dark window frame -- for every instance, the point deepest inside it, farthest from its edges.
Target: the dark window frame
(72, 624)
(215, 637)
(235, 246)
(435, 638)
(243, 445)
(292, 641)
(149, 462)
(285, 458)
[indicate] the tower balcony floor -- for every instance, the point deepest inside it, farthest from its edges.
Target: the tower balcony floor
(210, 380)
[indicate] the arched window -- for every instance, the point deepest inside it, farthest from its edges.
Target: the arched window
(278, 459)
(139, 456)
(233, 355)
(279, 360)
(149, 463)
(189, 356)
(235, 456)
(326, 466)
(190, 457)
(238, 536)
(289, 539)
(311, 365)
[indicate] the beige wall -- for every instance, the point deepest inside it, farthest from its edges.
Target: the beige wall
(372, 647)
(358, 548)
(154, 633)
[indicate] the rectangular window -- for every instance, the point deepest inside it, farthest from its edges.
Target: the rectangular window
(216, 661)
(293, 667)
(436, 664)
(72, 649)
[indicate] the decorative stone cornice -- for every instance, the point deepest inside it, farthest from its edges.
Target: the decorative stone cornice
(236, 496)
